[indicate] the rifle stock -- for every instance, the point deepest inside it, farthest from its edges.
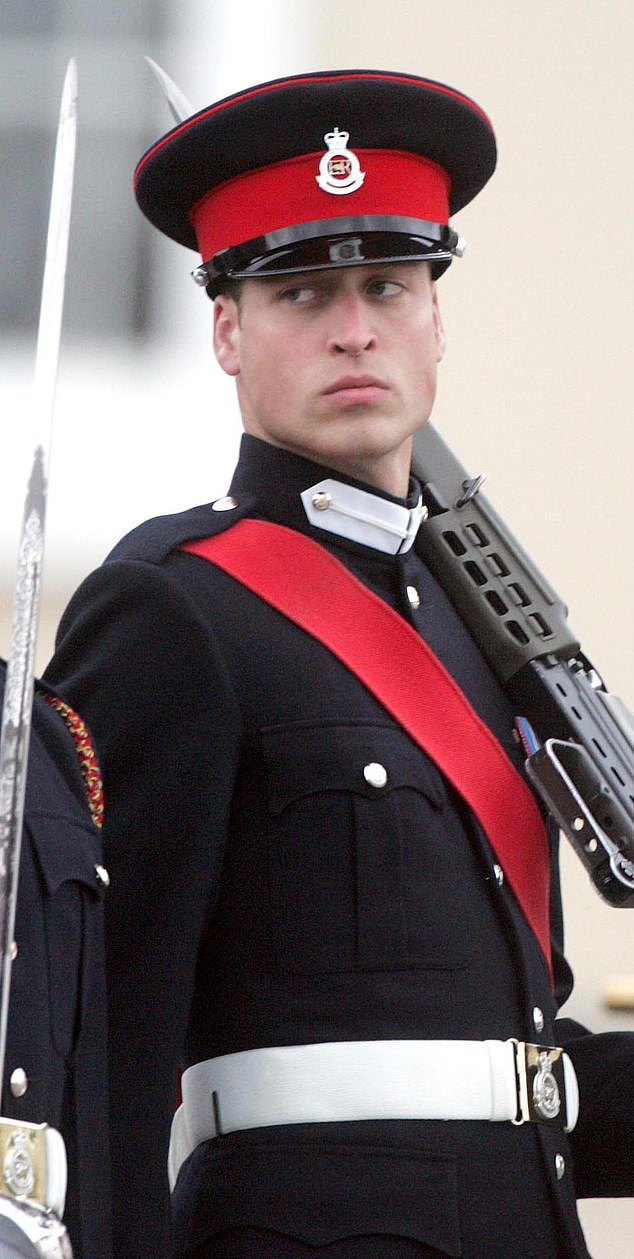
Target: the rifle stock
(581, 763)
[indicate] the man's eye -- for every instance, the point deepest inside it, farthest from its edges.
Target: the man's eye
(384, 288)
(297, 296)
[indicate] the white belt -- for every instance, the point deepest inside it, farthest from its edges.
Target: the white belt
(383, 1079)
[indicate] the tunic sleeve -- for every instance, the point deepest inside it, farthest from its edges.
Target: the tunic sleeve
(135, 658)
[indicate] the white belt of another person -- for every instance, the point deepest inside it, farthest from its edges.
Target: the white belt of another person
(337, 1081)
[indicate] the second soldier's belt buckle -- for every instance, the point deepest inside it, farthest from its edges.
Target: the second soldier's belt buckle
(541, 1084)
(32, 1164)
(23, 1160)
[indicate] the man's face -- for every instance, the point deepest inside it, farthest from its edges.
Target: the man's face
(338, 366)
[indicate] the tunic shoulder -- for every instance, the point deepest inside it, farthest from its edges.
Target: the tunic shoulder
(153, 540)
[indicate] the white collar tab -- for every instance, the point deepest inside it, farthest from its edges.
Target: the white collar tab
(363, 517)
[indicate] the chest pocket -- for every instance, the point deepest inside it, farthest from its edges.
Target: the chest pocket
(363, 849)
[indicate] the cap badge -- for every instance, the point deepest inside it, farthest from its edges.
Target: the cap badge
(339, 168)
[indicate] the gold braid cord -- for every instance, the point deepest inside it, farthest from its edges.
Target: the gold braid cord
(87, 756)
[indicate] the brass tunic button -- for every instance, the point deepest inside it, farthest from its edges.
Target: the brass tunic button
(413, 596)
(225, 504)
(102, 876)
(538, 1019)
(560, 1166)
(14, 950)
(499, 874)
(19, 1082)
(375, 775)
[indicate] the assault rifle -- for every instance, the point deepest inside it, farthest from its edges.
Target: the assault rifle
(579, 738)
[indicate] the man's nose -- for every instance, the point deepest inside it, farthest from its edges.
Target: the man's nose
(352, 331)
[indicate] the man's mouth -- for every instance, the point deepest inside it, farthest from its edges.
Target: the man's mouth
(356, 389)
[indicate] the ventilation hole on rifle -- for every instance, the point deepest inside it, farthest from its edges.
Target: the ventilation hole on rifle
(518, 595)
(576, 713)
(475, 573)
(493, 599)
(599, 748)
(454, 543)
(562, 690)
(497, 565)
(540, 626)
(476, 535)
(617, 776)
(518, 633)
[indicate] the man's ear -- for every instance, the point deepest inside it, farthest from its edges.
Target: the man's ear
(441, 340)
(227, 333)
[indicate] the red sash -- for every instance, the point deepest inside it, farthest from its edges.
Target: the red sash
(309, 586)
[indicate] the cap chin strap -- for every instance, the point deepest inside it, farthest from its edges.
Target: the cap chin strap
(331, 243)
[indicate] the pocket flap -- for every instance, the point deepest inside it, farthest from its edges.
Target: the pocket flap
(321, 1194)
(303, 759)
(67, 850)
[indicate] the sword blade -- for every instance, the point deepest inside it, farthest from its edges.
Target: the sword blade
(15, 727)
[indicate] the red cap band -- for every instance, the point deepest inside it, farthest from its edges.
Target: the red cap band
(287, 193)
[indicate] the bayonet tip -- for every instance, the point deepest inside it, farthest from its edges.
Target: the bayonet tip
(178, 104)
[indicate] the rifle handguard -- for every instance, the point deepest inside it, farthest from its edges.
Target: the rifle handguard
(584, 768)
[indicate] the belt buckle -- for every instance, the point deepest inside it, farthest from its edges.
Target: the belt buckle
(541, 1085)
(23, 1170)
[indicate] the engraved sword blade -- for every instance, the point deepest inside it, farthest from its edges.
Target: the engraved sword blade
(15, 727)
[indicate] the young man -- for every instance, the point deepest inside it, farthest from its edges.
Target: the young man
(315, 907)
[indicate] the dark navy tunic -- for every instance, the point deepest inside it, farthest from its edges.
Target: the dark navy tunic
(56, 1037)
(264, 893)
